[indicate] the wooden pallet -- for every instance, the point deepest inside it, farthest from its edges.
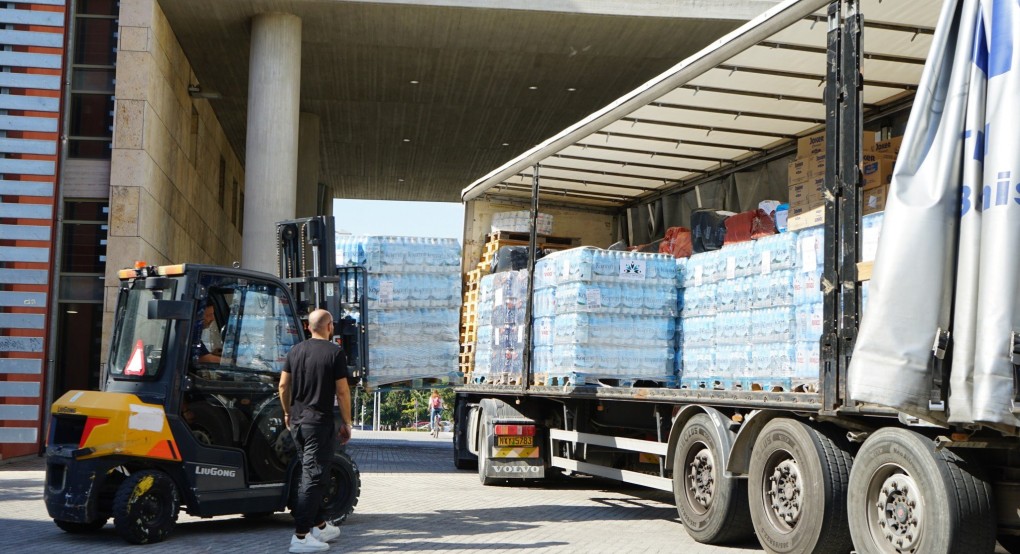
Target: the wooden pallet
(495, 241)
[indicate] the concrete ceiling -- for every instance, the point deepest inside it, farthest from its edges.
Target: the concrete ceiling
(473, 108)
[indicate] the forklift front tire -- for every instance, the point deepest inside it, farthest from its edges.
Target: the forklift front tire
(81, 528)
(145, 507)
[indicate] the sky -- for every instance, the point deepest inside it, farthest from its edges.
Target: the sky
(407, 219)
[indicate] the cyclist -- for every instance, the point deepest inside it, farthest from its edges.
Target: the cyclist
(435, 410)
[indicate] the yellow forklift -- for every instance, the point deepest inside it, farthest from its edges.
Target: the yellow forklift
(188, 415)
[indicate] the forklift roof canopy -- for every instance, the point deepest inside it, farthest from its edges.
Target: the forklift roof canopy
(742, 100)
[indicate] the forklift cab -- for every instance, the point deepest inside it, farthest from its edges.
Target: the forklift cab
(214, 362)
(189, 396)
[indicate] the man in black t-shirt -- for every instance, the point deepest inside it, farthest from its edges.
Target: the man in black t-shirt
(313, 373)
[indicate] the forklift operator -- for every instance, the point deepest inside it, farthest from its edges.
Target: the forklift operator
(208, 344)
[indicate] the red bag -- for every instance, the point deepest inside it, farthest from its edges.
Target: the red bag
(677, 242)
(749, 225)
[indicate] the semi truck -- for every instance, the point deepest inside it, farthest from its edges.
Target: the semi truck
(822, 468)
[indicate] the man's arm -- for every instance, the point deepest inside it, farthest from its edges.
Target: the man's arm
(285, 396)
(343, 397)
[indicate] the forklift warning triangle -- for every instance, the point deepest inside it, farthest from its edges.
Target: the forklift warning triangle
(136, 365)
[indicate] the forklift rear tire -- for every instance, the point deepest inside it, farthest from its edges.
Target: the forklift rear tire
(81, 528)
(145, 507)
(343, 488)
(211, 425)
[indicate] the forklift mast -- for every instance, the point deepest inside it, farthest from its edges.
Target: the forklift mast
(306, 262)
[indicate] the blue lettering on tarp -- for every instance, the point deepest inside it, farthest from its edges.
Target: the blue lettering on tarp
(1000, 192)
(980, 142)
(1001, 52)
(965, 204)
(980, 51)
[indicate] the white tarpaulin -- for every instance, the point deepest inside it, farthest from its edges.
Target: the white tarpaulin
(952, 212)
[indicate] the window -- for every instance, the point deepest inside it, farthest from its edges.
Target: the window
(92, 75)
(139, 342)
(80, 294)
(258, 326)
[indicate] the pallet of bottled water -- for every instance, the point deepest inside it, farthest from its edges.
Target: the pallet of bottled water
(413, 299)
(738, 316)
(605, 317)
(499, 351)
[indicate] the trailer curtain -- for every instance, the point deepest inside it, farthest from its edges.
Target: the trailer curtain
(944, 261)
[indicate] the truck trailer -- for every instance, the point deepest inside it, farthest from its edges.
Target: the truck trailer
(883, 450)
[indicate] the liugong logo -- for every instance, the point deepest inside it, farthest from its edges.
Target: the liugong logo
(215, 471)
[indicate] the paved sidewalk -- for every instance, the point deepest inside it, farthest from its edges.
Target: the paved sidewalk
(412, 500)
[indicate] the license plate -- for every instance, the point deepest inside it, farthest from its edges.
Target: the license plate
(515, 441)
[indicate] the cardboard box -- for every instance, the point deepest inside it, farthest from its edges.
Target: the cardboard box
(878, 173)
(805, 219)
(811, 190)
(816, 165)
(890, 147)
(815, 144)
(873, 200)
(797, 172)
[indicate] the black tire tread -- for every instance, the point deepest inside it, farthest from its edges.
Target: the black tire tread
(737, 526)
(974, 504)
(969, 519)
(356, 488)
(123, 521)
(836, 460)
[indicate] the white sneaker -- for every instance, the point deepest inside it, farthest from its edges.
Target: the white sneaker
(307, 544)
(328, 534)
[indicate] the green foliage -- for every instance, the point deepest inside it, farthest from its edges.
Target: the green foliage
(398, 408)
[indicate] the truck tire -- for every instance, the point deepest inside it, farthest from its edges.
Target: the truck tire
(343, 489)
(797, 489)
(81, 528)
(906, 496)
(712, 507)
(145, 507)
(461, 459)
(483, 452)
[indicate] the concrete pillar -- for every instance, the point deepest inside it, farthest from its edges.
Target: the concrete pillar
(308, 166)
(271, 152)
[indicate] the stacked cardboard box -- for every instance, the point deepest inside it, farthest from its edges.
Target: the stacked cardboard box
(807, 178)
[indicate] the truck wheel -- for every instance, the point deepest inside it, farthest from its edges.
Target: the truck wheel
(343, 488)
(459, 461)
(483, 452)
(712, 507)
(908, 497)
(797, 487)
(145, 507)
(80, 528)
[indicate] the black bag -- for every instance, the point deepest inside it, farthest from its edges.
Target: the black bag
(510, 258)
(708, 229)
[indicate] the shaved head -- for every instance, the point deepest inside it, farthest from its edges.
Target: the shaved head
(318, 322)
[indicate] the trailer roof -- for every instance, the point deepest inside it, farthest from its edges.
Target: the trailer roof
(745, 98)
